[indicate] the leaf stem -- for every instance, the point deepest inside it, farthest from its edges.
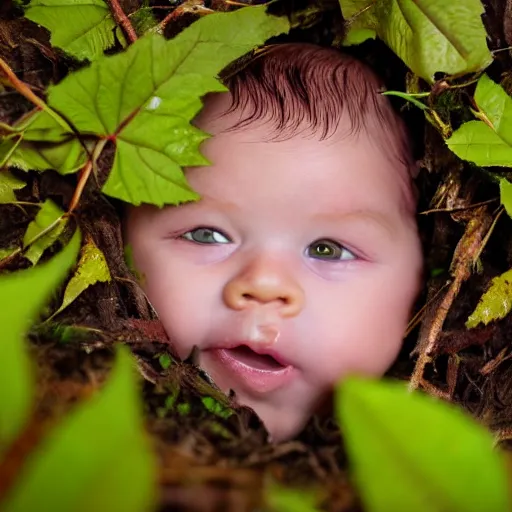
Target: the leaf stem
(182, 9)
(123, 20)
(84, 175)
(27, 92)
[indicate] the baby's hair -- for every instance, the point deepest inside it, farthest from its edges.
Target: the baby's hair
(300, 88)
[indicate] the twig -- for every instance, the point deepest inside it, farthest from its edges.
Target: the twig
(84, 175)
(464, 257)
(123, 20)
(459, 209)
(27, 92)
(194, 6)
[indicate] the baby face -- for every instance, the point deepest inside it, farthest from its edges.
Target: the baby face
(297, 267)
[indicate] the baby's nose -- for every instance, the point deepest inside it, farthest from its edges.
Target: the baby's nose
(263, 281)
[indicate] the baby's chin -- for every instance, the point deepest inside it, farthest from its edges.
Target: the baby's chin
(282, 424)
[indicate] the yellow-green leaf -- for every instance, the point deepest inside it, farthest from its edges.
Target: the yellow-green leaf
(22, 294)
(409, 452)
(8, 184)
(92, 268)
(479, 143)
(428, 35)
(98, 459)
(46, 217)
(495, 303)
(506, 195)
(496, 105)
(487, 142)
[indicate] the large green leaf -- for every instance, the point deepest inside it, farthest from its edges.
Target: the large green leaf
(47, 215)
(97, 459)
(83, 28)
(495, 303)
(428, 35)
(487, 143)
(409, 452)
(144, 99)
(22, 294)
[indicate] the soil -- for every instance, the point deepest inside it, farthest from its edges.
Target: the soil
(222, 464)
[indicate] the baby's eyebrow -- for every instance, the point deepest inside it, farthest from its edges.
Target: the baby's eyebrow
(378, 219)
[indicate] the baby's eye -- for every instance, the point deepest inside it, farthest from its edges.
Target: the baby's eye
(329, 250)
(206, 236)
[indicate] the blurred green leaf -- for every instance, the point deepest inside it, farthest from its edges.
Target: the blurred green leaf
(145, 98)
(215, 407)
(97, 459)
(428, 35)
(92, 268)
(495, 303)
(409, 452)
(22, 294)
(165, 361)
(47, 215)
(8, 184)
(83, 28)
(285, 499)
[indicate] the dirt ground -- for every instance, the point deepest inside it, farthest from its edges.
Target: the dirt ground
(223, 464)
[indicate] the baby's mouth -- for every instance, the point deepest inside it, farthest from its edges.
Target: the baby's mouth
(247, 356)
(251, 371)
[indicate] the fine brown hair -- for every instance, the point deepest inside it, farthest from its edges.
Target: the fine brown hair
(304, 89)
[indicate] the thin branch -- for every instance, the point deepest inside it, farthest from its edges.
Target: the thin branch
(123, 20)
(27, 92)
(84, 175)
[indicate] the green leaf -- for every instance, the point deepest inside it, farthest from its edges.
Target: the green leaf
(22, 294)
(495, 303)
(506, 195)
(97, 459)
(496, 105)
(46, 144)
(408, 97)
(165, 361)
(358, 36)
(428, 35)
(410, 452)
(47, 215)
(215, 407)
(145, 98)
(83, 28)
(92, 268)
(8, 184)
(284, 499)
(479, 143)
